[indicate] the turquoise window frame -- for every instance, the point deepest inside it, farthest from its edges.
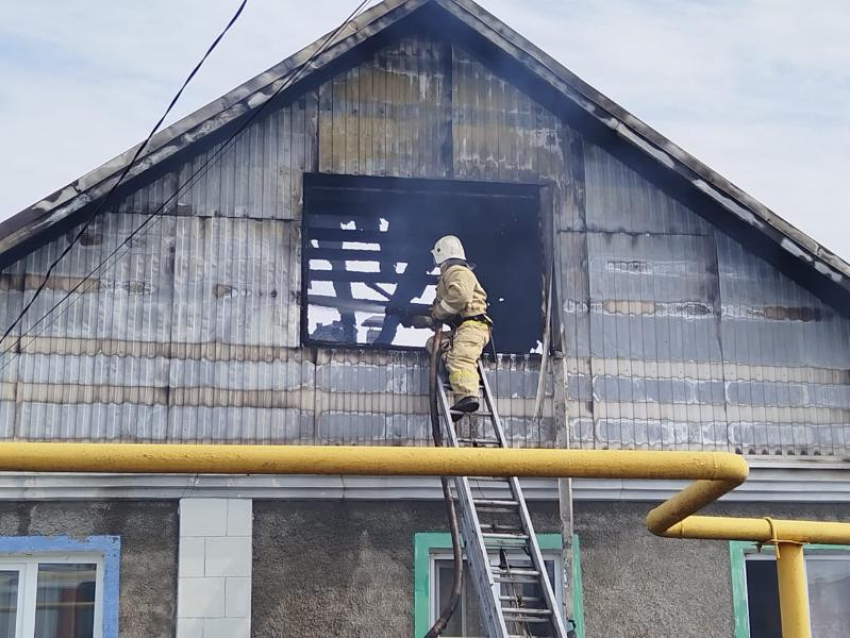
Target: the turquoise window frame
(738, 551)
(427, 543)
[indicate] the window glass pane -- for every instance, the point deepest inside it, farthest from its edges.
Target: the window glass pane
(763, 599)
(8, 603)
(529, 595)
(829, 593)
(445, 574)
(829, 596)
(466, 620)
(65, 601)
(471, 611)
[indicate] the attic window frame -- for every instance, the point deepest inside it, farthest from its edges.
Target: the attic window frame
(321, 188)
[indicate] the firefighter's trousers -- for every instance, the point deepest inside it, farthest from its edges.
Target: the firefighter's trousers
(467, 343)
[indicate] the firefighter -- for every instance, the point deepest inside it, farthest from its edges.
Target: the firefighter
(462, 304)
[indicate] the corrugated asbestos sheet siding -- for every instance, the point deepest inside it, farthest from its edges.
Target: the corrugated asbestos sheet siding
(786, 359)
(389, 115)
(260, 174)
(641, 313)
(191, 332)
(678, 338)
(499, 133)
(675, 336)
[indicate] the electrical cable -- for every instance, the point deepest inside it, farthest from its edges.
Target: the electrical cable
(197, 173)
(102, 203)
(451, 604)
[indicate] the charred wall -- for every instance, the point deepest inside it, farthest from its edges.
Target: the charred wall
(674, 334)
(678, 337)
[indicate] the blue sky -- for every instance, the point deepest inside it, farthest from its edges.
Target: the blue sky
(757, 89)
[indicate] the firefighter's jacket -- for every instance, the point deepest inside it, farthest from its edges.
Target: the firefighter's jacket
(458, 294)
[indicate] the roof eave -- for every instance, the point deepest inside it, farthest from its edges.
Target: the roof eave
(639, 134)
(209, 119)
(257, 91)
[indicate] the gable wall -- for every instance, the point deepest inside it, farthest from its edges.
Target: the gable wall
(679, 338)
(675, 336)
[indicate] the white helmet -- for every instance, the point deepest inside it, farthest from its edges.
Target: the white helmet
(448, 247)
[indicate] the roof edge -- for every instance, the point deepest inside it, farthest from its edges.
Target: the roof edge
(796, 483)
(252, 94)
(638, 133)
(208, 119)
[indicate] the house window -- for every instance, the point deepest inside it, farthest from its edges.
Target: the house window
(434, 572)
(58, 587)
(756, 591)
(367, 245)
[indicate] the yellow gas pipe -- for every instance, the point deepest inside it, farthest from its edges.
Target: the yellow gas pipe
(793, 590)
(714, 474)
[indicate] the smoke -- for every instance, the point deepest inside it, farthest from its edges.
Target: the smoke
(381, 257)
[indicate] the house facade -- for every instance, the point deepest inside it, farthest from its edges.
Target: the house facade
(233, 290)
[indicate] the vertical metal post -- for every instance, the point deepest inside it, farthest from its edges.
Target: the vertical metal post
(565, 486)
(793, 591)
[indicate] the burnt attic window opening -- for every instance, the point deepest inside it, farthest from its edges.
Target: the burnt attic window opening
(367, 245)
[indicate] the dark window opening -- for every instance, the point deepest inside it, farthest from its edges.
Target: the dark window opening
(828, 576)
(763, 599)
(367, 245)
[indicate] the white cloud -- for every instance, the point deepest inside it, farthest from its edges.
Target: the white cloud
(757, 89)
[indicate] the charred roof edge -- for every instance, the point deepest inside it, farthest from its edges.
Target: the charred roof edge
(41, 216)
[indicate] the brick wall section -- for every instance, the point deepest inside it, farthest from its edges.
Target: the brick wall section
(214, 586)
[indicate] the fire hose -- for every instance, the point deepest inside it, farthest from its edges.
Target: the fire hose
(437, 434)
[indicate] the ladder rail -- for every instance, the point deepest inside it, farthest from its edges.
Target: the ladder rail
(494, 616)
(491, 613)
(525, 515)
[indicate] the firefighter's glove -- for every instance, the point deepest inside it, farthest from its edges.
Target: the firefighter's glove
(422, 322)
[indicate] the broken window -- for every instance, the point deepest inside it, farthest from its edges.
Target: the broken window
(367, 246)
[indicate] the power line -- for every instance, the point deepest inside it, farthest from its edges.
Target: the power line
(202, 169)
(96, 211)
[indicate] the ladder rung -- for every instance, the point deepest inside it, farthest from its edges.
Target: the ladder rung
(515, 571)
(515, 561)
(525, 618)
(495, 536)
(490, 503)
(517, 579)
(497, 479)
(520, 620)
(518, 567)
(530, 599)
(502, 528)
(481, 442)
(531, 611)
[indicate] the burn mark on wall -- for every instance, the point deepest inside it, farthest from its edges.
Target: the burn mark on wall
(201, 326)
(31, 281)
(366, 246)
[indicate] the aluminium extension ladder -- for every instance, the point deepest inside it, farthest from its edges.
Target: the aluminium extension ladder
(515, 596)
